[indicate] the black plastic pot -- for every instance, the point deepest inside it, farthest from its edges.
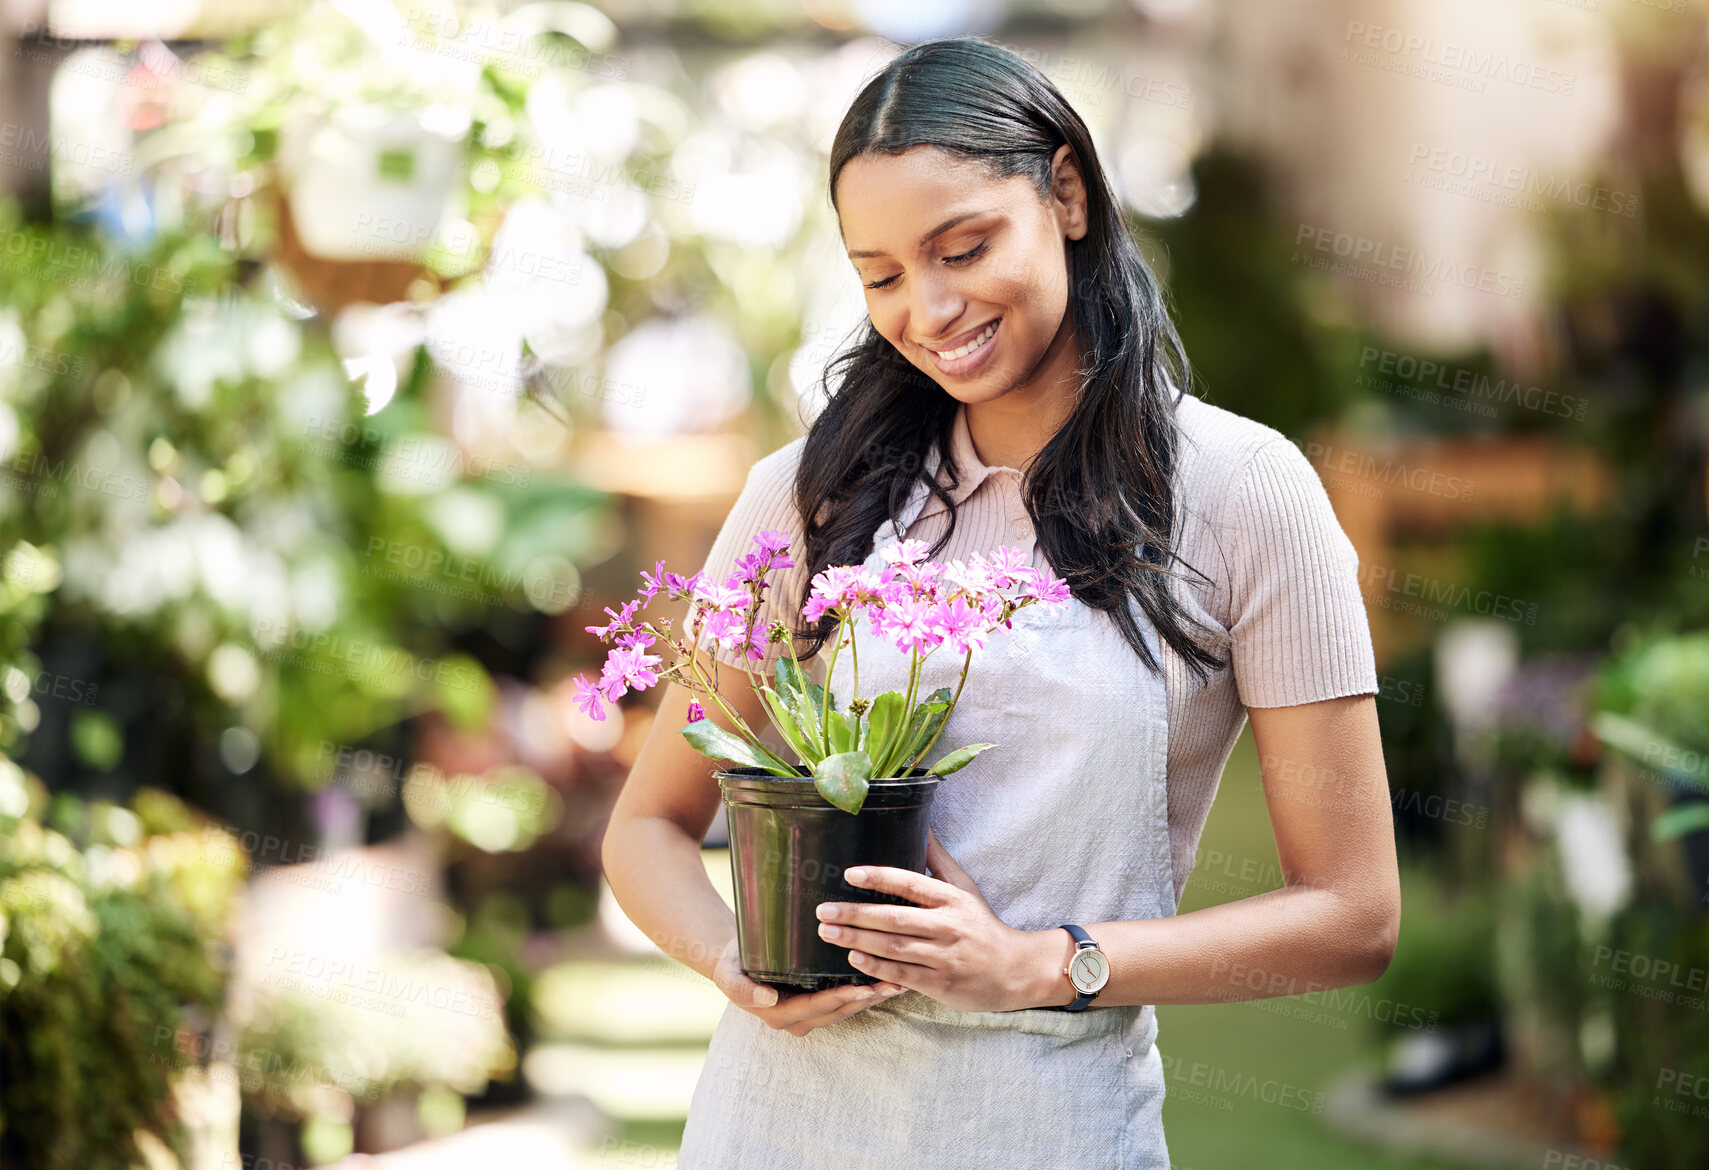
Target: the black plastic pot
(789, 848)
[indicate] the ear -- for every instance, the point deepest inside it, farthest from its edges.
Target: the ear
(1068, 189)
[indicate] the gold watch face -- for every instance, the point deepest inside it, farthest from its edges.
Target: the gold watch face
(1089, 970)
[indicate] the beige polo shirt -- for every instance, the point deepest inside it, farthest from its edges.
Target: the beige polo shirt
(1253, 517)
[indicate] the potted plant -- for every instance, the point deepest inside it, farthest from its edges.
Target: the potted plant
(857, 793)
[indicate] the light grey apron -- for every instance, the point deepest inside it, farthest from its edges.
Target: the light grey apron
(1066, 820)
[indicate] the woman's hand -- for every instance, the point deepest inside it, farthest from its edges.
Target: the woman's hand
(950, 946)
(796, 1014)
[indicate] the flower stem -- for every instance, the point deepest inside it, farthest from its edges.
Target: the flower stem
(830, 668)
(901, 743)
(854, 661)
(948, 711)
(735, 716)
(824, 732)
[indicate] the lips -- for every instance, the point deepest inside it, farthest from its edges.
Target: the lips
(977, 355)
(956, 343)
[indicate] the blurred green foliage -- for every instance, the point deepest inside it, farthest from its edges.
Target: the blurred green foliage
(1444, 960)
(198, 486)
(110, 951)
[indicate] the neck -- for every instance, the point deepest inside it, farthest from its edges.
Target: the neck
(1012, 428)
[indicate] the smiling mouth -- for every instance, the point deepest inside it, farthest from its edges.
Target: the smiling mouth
(961, 351)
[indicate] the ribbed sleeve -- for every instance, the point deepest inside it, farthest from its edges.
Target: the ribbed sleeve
(767, 501)
(1300, 629)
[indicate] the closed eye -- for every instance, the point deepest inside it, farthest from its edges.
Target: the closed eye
(964, 258)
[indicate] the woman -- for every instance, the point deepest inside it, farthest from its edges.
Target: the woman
(1015, 384)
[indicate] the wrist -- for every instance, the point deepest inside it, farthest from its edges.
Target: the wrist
(1044, 982)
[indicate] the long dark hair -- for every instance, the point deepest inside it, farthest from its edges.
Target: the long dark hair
(1101, 492)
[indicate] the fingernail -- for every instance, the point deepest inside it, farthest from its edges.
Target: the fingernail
(892, 991)
(855, 875)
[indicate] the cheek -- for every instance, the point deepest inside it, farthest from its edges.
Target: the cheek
(1035, 305)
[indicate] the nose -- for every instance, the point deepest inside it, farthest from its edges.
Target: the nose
(935, 307)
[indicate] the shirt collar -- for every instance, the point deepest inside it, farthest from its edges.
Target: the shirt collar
(974, 471)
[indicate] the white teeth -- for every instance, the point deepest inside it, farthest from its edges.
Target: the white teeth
(951, 355)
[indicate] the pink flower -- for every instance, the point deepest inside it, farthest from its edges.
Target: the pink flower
(587, 697)
(908, 624)
(634, 666)
(695, 711)
(1008, 566)
(656, 580)
(611, 683)
(728, 596)
(923, 579)
(974, 578)
(617, 619)
(960, 625)
(772, 545)
(772, 541)
(1051, 589)
(755, 645)
(838, 587)
(905, 552)
(728, 628)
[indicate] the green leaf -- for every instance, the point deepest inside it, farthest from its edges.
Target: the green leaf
(804, 699)
(843, 779)
(884, 723)
(808, 749)
(958, 759)
(709, 739)
(928, 716)
(792, 681)
(788, 677)
(1677, 822)
(840, 731)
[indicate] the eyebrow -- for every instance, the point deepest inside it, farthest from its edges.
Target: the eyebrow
(937, 231)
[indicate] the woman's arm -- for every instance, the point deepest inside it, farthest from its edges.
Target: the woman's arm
(1333, 925)
(651, 849)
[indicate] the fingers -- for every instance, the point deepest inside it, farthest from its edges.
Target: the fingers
(943, 866)
(848, 1009)
(873, 942)
(800, 1014)
(883, 916)
(916, 887)
(729, 978)
(890, 969)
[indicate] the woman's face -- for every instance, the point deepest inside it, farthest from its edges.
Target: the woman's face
(945, 255)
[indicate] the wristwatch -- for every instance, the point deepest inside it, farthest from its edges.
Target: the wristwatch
(1088, 970)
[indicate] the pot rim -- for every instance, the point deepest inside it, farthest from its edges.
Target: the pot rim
(748, 772)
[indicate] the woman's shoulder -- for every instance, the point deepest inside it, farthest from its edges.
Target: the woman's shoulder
(1219, 448)
(1217, 438)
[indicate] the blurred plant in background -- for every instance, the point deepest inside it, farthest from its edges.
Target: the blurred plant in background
(113, 963)
(295, 414)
